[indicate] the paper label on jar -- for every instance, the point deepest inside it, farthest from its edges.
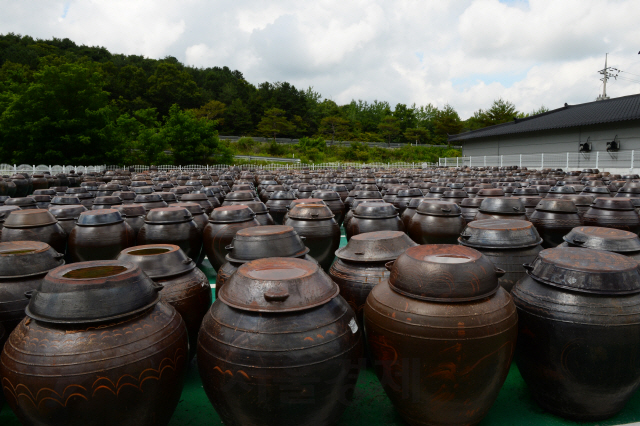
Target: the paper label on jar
(353, 325)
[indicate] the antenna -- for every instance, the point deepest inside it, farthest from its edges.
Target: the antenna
(606, 75)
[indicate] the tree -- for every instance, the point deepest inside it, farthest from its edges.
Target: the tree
(212, 110)
(237, 118)
(501, 111)
(274, 123)
(170, 85)
(389, 128)
(406, 117)
(446, 121)
(335, 126)
(417, 134)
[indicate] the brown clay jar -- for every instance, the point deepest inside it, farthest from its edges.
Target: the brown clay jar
(372, 217)
(185, 287)
(34, 225)
(608, 239)
(172, 225)
(618, 213)
(200, 219)
(132, 374)
(278, 204)
(134, 216)
(554, 218)
(441, 325)
(436, 223)
(99, 235)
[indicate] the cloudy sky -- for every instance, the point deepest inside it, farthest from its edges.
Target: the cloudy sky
(466, 53)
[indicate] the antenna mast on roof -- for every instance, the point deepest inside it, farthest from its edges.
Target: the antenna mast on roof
(606, 75)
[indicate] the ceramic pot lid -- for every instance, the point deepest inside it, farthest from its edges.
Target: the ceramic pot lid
(511, 205)
(131, 210)
(375, 211)
(282, 195)
(278, 284)
(326, 194)
(99, 217)
(409, 193)
(586, 270)
(20, 201)
(500, 234)
(67, 212)
(491, 192)
(168, 215)
(444, 273)
(380, 246)
(239, 196)
(613, 204)
(305, 201)
(148, 198)
(231, 214)
(258, 207)
(472, 202)
(89, 292)
(439, 208)
(125, 195)
(265, 241)
(18, 257)
(368, 194)
(141, 190)
(65, 200)
(310, 212)
(29, 218)
(109, 200)
(599, 238)
(158, 260)
(5, 211)
(194, 208)
(579, 200)
(557, 205)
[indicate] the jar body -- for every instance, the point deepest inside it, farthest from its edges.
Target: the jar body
(183, 234)
(358, 225)
(217, 236)
(102, 242)
(427, 229)
(52, 234)
(627, 220)
(511, 261)
(553, 226)
(13, 301)
(322, 237)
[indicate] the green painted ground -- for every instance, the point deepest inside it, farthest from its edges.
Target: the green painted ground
(371, 407)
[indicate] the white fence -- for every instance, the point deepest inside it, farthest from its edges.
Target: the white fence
(615, 162)
(8, 169)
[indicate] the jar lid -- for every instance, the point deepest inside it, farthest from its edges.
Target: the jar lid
(125, 195)
(410, 192)
(67, 212)
(491, 192)
(20, 201)
(34, 257)
(158, 260)
(168, 215)
(444, 273)
(239, 196)
(193, 197)
(265, 241)
(511, 205)
(29, 218)
(623, 204)
(5, 211)
(44, 192)
(311, 212)
(231, 214)
(375, 211)
(278, 284)
(500, 234)
(368, 194)
(99, 217)
(110, 200)
(130, 210)
(77, 190)
(579, 200)
(77, 293)
(282, 195)
(586, 270)
(147, 198)
(557, 205)
(64, 200)
(472, 202)
(599, 238)
(439, 208)
(326, 194)
(142, 190)
(380, 246)
(194, 208)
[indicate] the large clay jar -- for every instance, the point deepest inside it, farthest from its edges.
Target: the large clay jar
(258, 243)
(172, 225)
(333, 201)
(200, 219)
(442, 332)
(316, 223)
(554, 218)
(507, 243)
(438, 222)
(149, 201)
(134, 216)
(262, 212)
(186, 288)
(25, 203)
(224, 222)
(67, 215)
(5, 211)
(360, 265)
(278, 203)
(279, 338)
(609, 239)
(23, 265)
(409, 211)
(579, 342)
(107, 352)
(199, 199)
(34, 225)
(616, 213)
(469, 208)
(582, 202)
(22, 185)
(501, 208)
(99, 235)
(372, 217)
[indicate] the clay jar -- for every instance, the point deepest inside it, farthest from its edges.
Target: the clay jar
(404, 197)
(150, 201)
(134, 216)
(616, 213)
(579, 343)
(279, 324)
(200, 219)
(106, 202)
(186, 288)
(609, 239)
(469, 207)
(23, 265)
(5, 211)
(199, 199)
(409, 211)
(436, 223)
(278, 203)
(554, 218)
(441, 325)
(372, 217)
(172, 225)
(360, 265)
(316, 223)
(262, 212)
(34, 225)
(67, 215)
(223, 224)
(132, 374)
(507, 243)
(501, 208)
(99, 235)
(258, 243)
(25, 203)
(333, 201)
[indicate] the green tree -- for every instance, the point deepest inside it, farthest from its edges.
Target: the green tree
(389, 128)
(417, 134)
(446, 121)
(212, 110)
(237, 118)
(406, 117)
(274, 123)
(335, 126)
(171, 85)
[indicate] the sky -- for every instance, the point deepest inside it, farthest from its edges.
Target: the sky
(465, 53)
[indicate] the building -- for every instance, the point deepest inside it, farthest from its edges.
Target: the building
(562, 130)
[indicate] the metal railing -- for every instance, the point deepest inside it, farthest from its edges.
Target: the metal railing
(288, 141)
(603, 160)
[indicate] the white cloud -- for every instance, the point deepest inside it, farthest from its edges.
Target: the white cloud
(466, 53)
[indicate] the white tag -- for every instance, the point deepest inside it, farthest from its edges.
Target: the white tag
(353, 325)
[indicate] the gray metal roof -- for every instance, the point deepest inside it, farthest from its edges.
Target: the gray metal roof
(607, 111)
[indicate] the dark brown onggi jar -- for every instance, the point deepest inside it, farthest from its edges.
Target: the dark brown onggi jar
(5, 211)
(579, 342)
(372, 217)
(67, 215)
(149, 201)
(436, 223)
(618, 213)
(442, 332)
(185, 287)
(23, 265)
(609, 239)
(262, 212)
(317, 225)
(25, 203)
(409, 211)
(172, 225)
(109, 352)
(469, 208)
(34, 225)
(279, 324)
(334, 202)
(507, 243)
(502, 208)
(99, 235)
(223, 224)
(200, 219)
(278, 204)
(554, 218)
